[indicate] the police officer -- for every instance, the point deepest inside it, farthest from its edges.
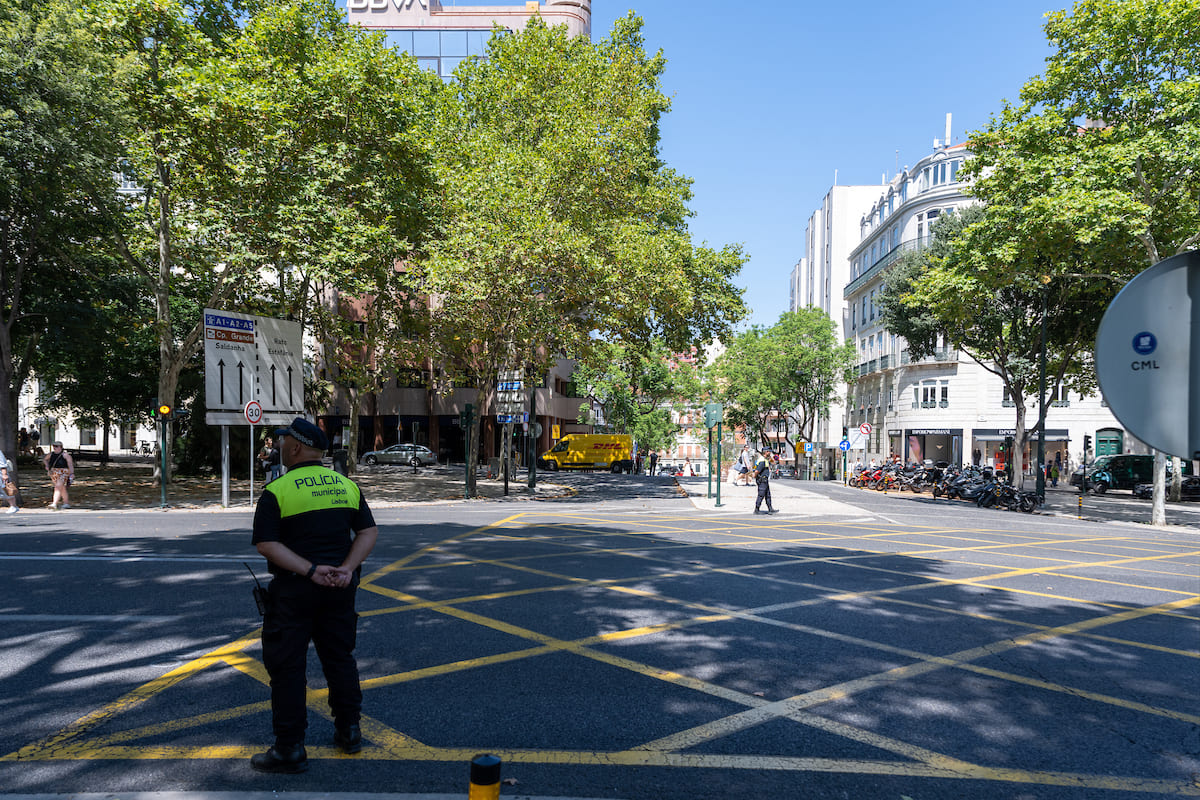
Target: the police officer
(762, 476)
(315, 529)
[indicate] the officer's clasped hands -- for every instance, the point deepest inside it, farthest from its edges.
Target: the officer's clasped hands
(333, 577)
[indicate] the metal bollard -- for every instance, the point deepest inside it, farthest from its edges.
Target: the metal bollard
(1080, 514)
(485, 777)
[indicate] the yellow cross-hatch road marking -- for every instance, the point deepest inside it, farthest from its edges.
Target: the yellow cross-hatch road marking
(82, 740)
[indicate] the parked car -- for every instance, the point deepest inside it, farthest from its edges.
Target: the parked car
(414, 455)
(1189, 488)
(1123, 471)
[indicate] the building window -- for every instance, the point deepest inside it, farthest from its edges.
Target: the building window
(87, 437)
(440, 51)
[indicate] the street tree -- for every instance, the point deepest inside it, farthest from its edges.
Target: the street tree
(1094, 175)
(59, 140)
(330, 128)
(791, 370)
(270, 152)
(955, 294)
(641, 391)
(562, 227)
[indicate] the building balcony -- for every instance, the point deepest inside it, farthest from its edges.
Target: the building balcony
(943, 356)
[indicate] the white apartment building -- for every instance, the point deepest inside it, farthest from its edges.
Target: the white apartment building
(818, 280)
(945, 407)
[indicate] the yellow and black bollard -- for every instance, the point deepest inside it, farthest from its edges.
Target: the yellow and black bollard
(485, 777)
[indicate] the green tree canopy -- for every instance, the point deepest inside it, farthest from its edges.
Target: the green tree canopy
(1093, 176)
(59, 146)
(639, 389)
(562, 227)
(791, 370)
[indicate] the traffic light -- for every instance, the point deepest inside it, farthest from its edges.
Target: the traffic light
(845, 432)
(712, 414)
(1087, 442)
(1008, 445)
(164, 411)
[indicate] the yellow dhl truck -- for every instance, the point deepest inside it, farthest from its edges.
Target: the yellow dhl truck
(591, 451)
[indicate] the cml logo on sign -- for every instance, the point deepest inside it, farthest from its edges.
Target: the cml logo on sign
(1145, 343)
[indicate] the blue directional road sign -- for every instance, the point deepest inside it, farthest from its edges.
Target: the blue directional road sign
(844, 445)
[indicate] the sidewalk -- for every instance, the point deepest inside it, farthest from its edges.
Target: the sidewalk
(789, 496)
(129, 485)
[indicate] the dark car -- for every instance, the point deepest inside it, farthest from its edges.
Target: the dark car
(414, 455)
(1123, 471)
(1189, 488)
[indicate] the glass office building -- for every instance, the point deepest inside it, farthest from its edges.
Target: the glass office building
(440, 50)
(440, 37)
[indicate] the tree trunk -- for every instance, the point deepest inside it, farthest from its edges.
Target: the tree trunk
(1158, 511)
(105, 424)
(1016, 465)
(351, 443)
(1176, 479)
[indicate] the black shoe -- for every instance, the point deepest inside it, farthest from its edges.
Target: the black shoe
(348, 739)
(288, 760)
(772, 511)
(756, 511)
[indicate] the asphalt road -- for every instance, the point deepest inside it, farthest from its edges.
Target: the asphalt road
(623, 644)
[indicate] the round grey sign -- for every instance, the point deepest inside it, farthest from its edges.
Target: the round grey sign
(1148, 356)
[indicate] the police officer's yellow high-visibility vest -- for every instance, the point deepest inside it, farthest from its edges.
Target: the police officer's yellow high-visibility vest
(313, 488)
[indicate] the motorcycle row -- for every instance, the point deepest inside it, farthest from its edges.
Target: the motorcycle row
(979, 485)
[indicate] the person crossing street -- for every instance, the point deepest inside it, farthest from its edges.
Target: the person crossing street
(762, 476)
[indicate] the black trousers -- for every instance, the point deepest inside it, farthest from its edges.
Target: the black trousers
(764, 493)
(299, 611)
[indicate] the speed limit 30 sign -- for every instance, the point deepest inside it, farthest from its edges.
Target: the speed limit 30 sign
(254, 412)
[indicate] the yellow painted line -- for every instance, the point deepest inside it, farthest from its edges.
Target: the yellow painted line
(395, 565)
(745, 719)
(640, 758)
(127, 701)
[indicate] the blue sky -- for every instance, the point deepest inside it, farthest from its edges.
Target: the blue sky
(771, 98)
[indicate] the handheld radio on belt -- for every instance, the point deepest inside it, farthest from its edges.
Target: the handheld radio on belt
(260, 594)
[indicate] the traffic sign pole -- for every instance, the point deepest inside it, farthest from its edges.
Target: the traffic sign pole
(718, 464)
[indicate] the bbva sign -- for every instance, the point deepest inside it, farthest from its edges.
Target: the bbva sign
(379, 5)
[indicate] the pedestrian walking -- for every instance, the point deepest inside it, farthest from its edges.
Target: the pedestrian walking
(762, 476)
(269, 460)
(653, 462)
(745, 466)
(10, 488)
(61, 469)
(315, 529)
(1054, 473)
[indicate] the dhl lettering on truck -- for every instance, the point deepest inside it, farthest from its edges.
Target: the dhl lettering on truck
(591, 451)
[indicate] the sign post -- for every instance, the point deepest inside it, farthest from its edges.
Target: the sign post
(251, 358)
(253, 413)
(1148, 356)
